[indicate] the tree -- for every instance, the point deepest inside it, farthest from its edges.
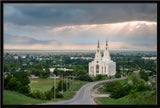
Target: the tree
(79, 70)
(38, 66)
(58, 94)
(85, 77)
(99, 77)
(143, 75)
(56, 71)
(6, 68)
(19, 82)
(122, 91)
(25, 89)
(117, 75)
(46, 73)
(59, 88)
(6, 80)
(13, 84)
(111, 86)
(134, 78)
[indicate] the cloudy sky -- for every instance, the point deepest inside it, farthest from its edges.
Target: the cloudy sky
(80, 26)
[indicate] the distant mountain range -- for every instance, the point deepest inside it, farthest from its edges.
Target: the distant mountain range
(23, 42)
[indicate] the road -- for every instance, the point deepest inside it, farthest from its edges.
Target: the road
(83, 96)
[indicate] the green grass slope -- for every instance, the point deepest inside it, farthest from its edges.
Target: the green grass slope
(42, 84)
(14, 98)
(142, 98)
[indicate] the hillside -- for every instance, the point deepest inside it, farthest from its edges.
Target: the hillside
(14, 98)
(142, 98)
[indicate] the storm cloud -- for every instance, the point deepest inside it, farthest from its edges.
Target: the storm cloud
(80, 25)
(77, 14)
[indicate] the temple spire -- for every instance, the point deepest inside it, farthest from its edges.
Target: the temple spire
(98, 43)
(106, 41)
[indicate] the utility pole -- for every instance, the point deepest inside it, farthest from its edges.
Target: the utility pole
(66, 84)
(54, 88)
(62, 84)
(62, 75)
(73, 78)
(70, 82)
(123, 71)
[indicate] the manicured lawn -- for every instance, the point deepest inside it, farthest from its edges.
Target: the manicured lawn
(142, 98)
(14, 98)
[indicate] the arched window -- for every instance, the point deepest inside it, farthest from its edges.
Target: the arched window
(97, 68)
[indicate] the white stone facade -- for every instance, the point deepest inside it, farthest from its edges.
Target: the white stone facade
(102, 65)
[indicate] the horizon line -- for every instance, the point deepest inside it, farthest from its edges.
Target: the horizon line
(78, 49)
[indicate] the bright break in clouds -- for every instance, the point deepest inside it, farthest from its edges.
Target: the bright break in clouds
(80, 26)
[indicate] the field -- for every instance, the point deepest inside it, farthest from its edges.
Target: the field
(41, 84)
(143, 98)
(14, 98)
(46, 84)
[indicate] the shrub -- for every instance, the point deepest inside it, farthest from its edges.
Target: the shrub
(39, 95)
(52, 89)
(141, 87)
(153, 92)
(59, 95)
(24, 89)
(118, 75)
(143, 75)
(48, 94)
(6, 80)
(134, 78)
(98, 77)
(18, 81)
(130, 82)
(85, 77)
(132, 93)
(112, 86)
(59, 88)
(64, 86)
(13, 84)
(36, 94)
(42, 96)
(122, 91)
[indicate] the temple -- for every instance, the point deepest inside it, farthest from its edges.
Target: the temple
(102, 65)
